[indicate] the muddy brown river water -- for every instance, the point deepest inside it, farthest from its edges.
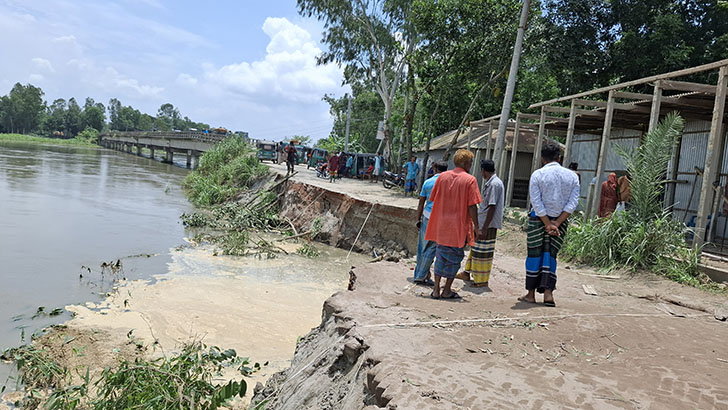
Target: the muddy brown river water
(64, 208)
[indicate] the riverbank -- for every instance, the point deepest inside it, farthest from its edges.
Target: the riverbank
(388, 345)
(33, 139)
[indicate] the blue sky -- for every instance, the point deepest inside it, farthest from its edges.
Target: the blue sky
(245, 65)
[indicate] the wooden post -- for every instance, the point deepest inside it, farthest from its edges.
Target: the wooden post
(470, 136)
(514, 156)
(656, 101)
(539, 141)
(570, 133)
(713, 156)
(502, 164)
(489, 152)
(603, 150)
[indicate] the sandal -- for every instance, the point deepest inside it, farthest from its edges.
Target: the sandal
(453, 295)
(425, 282)
(524, 300)
(432, 296)
(549, 303)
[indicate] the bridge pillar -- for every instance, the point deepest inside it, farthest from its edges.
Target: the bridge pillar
(170, 156)
(189, 158)
(139, 150)
(151, 149)
(128, 148)
(195, 159)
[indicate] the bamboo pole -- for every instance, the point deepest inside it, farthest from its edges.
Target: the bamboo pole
(539, 141)
(713, 157)
(514, 156)
(489, 150)
(570, 133)
(603, 150)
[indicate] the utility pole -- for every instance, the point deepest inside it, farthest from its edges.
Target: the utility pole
(348, 123)
(511, 87)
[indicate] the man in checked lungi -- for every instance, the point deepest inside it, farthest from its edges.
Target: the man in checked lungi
(554, 192)
(490, 219)
(454, 215)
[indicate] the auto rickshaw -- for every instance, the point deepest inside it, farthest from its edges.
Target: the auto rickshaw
(267, 151)
(317, 155)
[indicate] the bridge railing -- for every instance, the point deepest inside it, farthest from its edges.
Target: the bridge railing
(189, 135)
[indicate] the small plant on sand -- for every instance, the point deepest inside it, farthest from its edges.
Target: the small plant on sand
(645, 236)
(180, 381)
(308, 250)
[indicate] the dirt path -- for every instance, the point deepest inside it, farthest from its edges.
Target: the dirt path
(358, 189)
(623, 349)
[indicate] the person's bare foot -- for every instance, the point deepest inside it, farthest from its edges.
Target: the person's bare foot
(463, 275)
(527, 299)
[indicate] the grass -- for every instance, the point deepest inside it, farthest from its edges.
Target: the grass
(645, 236)
(33, 139)
(224, 172)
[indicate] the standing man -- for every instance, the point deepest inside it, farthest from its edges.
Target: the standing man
(454, 215)
(349, 165)
(333, 167)
(377, 168)
(291, 156)
(412, 168)
(554, 194)
(490, 219)
(426, 249)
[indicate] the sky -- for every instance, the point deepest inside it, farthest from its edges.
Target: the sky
(245, 65)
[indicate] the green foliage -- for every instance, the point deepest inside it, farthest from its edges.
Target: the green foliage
(647, 165)
(223, 173)
(645, 236)
(180, 381)
(89, 135)
(308, 250)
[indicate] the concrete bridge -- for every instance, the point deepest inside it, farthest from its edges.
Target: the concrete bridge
(190, 144)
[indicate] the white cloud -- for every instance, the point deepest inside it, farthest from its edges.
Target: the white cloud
(186, 80)
(43, 64)
(288, 71)
(35, 78)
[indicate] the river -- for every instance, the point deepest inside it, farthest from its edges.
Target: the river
(62, 208)
(66, 210)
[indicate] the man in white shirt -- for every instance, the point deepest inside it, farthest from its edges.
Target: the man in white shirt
(554, 192)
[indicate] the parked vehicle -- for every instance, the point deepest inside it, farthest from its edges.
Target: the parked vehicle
(391, 179)
(318, 155)
(267, 151)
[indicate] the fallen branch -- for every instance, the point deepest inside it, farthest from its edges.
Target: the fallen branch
(294, 236)
(295, 232)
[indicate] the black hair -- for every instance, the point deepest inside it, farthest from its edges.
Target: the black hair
(487, 165)
(440, 166)
(574, 166)
(550, 152)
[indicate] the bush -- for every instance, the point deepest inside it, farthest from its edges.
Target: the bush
(89, 135)
(223, 173)
(645, 235)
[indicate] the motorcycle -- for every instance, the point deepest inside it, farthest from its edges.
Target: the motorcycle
(390, 179)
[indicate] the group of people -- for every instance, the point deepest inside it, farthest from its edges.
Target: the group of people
(453, 213)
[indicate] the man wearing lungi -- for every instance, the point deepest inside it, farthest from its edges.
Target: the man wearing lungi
(426, 249)
(490, 219)
(554, 192)
(452, 221)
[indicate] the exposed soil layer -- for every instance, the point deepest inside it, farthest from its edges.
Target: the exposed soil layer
(388, 345)
(387, 230)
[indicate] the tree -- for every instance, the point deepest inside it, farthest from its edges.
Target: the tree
(304, 140)
(169, 114)
(93, 115)
(23, 108)
(367, 111)
(73, 120)
(55, 119)
(114, 120)
(373, 38)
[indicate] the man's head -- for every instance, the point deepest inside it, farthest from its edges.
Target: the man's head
(439, 166)
(550, 153)
(487, 168)
(413, 159)
(574, 166)
(463, 159)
